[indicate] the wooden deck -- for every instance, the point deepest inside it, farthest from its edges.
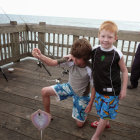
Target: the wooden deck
(17, 103)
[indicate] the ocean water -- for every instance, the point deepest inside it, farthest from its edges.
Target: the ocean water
(81, 22)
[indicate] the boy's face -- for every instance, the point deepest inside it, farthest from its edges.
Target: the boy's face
(78, 61)
(107, 39)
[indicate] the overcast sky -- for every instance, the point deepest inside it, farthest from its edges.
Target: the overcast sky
(96, 9)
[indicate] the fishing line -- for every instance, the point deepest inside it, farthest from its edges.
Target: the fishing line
(65, 71)
(39, 63)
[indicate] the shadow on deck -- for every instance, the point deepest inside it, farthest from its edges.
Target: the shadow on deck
(17, 103)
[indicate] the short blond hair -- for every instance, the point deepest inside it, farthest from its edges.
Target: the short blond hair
(109, 26)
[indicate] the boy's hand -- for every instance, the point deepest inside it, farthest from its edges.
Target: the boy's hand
(36, 53)
(122, 94)
(69, 57)
(88, 108)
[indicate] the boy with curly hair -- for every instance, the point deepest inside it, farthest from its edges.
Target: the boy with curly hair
(79, 82)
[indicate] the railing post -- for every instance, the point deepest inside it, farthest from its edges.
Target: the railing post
(15, 48)
(41, 39)
(75, 37)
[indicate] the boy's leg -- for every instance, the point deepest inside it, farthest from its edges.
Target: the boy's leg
(79, 124)
(61, 91)
(79, 106)
(46, 93)
(107, 108)
(100, 128)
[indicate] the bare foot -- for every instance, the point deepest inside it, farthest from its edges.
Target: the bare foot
(94, 138)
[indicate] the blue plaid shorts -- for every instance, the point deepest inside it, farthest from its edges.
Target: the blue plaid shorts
(106, 106)
(63, 91)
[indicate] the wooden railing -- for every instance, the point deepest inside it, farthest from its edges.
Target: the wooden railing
(17, 41)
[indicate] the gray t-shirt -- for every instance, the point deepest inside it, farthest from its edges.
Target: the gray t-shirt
(80, 79)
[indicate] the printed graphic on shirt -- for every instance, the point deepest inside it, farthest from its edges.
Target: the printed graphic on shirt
(102, 58)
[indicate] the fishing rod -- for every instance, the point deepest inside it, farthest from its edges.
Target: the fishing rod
(65, 71)
(39, 63)
(3, 74)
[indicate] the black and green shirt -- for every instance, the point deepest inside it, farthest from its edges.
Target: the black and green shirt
(106, 70)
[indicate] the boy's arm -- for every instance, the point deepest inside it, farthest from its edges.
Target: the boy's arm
(124, 78)
(88, 108)
(50, 62)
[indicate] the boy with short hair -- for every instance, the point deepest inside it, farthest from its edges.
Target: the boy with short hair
(107, 63)
(78, 86)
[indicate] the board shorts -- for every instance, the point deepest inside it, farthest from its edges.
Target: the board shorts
(63, 91)
(106, 106)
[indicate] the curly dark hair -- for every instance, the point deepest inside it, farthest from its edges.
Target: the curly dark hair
(81, 48)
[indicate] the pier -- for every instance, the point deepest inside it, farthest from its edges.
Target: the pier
(17, 96)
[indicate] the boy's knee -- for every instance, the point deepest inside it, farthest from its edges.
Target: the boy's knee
(44, 91)
(80, 124)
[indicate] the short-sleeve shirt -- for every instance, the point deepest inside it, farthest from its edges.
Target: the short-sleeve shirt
(80, 79)
(106, 70)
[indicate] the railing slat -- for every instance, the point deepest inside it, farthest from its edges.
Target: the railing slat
(4, 46)
(67, 44)
(1, 49)
(48, 43)
(53, 43)
(62, 47)
(8, 45)
(58, 40)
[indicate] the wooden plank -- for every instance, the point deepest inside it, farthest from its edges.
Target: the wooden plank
(62, 123)
(58, 40)
(28, 76)
(53, 45)
(80, 31)
(62, 48)
(49, 53)
(7, 134)
(68, 37)
(25, 79)
(8, 45)
(7, 28)
(4, 45)
(1, 48)
(122, 35)
(124, 111)
(59, 29)
(31, 40)
(25, 127)
(21, 42)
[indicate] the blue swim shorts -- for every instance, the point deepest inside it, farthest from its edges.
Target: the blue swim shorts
(106, 106)
(63, 91)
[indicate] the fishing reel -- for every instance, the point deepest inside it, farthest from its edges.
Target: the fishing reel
(40, 64)
(64, 72)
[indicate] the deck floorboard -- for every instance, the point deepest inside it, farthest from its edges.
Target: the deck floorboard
(17, 103)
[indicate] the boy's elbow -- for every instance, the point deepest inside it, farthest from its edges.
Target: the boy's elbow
(125, 72)
(54, 63)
